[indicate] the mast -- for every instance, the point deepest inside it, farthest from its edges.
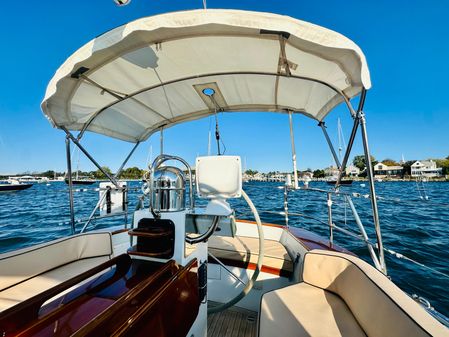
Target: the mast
(340, 149)
(292, 139)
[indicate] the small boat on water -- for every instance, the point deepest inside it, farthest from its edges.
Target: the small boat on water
(12, 185)
(343, 182)
(81, 181)
(30, 179)
(176, 269)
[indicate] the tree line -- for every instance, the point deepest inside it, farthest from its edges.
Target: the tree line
(359, 162)
(137, 173)
(128, 173)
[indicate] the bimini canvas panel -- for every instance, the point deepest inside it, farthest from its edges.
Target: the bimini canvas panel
(151, 73)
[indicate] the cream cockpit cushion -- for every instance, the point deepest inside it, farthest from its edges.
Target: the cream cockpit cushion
(303, 310)
(27, 272)
(380, 307)
(341, 295)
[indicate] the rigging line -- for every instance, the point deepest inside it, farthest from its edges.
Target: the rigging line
(224, 146)
(390, 251)
(208, 136)
(401, 256)
(393, 253)
(165, 93)
(379, 197)
(217, 132)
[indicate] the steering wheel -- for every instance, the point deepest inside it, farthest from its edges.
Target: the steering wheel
(253, 279)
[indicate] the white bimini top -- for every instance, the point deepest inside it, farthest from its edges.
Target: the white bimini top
(151, 73)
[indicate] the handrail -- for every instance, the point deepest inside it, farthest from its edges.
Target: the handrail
(23, 313)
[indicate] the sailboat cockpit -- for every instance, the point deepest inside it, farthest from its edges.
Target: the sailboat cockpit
(177, 269)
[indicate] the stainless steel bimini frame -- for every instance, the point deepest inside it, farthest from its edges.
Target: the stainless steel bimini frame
(359, 120)
(113, 179)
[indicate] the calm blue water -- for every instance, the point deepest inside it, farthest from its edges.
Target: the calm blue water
(418, 229)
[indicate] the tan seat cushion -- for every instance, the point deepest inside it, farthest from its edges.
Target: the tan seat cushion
(379, 306)
(245, 249)
(20, 265)
(304, 310)
(40, 283)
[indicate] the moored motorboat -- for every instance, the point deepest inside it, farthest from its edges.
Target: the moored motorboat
(12, 185)
(27, 179)
(178, 269)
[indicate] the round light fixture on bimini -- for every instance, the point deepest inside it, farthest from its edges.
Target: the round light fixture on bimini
(122, 2)
(209, 92)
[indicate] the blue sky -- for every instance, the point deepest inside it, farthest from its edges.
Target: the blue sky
(406, 44)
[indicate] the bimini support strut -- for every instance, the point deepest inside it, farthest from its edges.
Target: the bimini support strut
(370, 175)
(161, 140)
(360, 120)
(69, 178)
(371, 251)
(117, 174)
(340, 165)
(329, 142)
(77, 143)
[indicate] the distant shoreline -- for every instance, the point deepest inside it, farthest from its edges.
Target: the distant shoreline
(384, 180)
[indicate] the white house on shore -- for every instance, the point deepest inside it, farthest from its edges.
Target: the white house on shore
(382, 170)
(352, 171)
(331, 171)
(426, 168)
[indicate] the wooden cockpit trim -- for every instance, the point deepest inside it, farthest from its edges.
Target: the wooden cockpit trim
(25, 312)
(119, 231)
(105, 321)
(136, 299)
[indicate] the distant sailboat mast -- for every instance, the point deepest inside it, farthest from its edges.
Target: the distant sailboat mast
(341, 140)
